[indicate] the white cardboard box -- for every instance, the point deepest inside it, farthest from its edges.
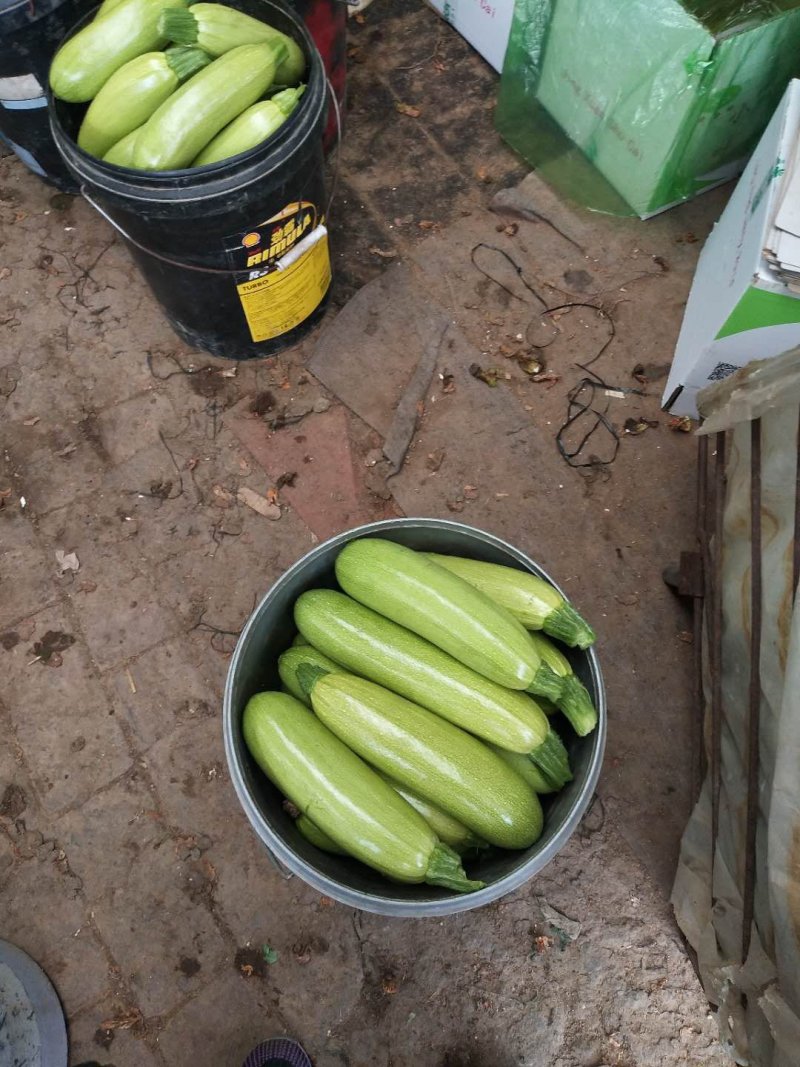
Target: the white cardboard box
(486, 24)
(739, 308)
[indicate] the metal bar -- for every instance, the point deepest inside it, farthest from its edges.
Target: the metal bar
(754, 711)
(796, 561)
(715, 638)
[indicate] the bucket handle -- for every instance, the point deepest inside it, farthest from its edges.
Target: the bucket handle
(222, 270)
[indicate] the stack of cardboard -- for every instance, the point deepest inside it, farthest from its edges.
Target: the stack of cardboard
(782, 249)
(745, 299)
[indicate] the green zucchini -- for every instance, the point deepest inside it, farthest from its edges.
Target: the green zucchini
(132, 94)
(344, 797)
(254, 125)
(312, 833)
(526, 769)
(411, 590)
(531, 599)
(420, 750)
(195, 113)
(106, 6)
(291, 659)
(447, 829)
(366, 643)
(85, 62)
(217, 29)
(121, 154)
(298, 640)
(574, 700)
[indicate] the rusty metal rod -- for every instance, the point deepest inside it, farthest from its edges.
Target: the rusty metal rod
(754, 709)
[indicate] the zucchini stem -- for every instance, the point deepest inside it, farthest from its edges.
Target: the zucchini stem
(186, 61)
(308, 674)
(546, 683)
(444, 869)
(178, 25)
(568, 626)
(577, 705)
(552, 760)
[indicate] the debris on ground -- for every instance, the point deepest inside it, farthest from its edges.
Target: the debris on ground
(681, 424)
(262, 403)
(67, 561)
(561, 926)
(48, 650)
(124, 1020)
(269, 509)
(434, 460)
(490, 376)
(638, 425)
(644, 373)
(448, 382)
(270, 954)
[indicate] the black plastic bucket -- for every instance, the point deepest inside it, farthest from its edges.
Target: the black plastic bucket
(30, 33)
(237, 252)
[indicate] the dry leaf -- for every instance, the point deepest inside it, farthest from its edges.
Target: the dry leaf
(636, 426)
(428, 224)
(5, 272)
(483, 175)
(272, 496)
(489, 376)
(87, 587)
(67, 450)
(681, 424)
(124, 1021)
(259, 503)
(67, 561)
(31, 421)
(388, 253)
(408, 109)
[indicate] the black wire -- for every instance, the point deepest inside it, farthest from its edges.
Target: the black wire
(514, 265)
(576, 409)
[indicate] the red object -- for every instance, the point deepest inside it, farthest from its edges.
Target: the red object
(327, 23)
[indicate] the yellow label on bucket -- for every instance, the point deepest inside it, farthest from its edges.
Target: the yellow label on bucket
(282, 299)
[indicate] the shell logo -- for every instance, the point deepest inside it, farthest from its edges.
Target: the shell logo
(250, 240)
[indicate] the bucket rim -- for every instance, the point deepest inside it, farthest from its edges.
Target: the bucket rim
(385, 904)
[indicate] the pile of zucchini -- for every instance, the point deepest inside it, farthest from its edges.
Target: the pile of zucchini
(226, 82)
(413, 725)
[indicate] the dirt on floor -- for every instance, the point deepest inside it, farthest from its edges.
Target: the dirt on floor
(131, 559)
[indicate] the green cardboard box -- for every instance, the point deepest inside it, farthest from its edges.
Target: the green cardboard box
(664, 99)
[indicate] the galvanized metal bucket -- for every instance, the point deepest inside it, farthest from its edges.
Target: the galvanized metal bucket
(253, 668)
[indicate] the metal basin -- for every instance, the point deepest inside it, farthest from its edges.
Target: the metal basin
(253, 668)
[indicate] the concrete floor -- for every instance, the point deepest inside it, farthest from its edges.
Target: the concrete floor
(126, 866)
